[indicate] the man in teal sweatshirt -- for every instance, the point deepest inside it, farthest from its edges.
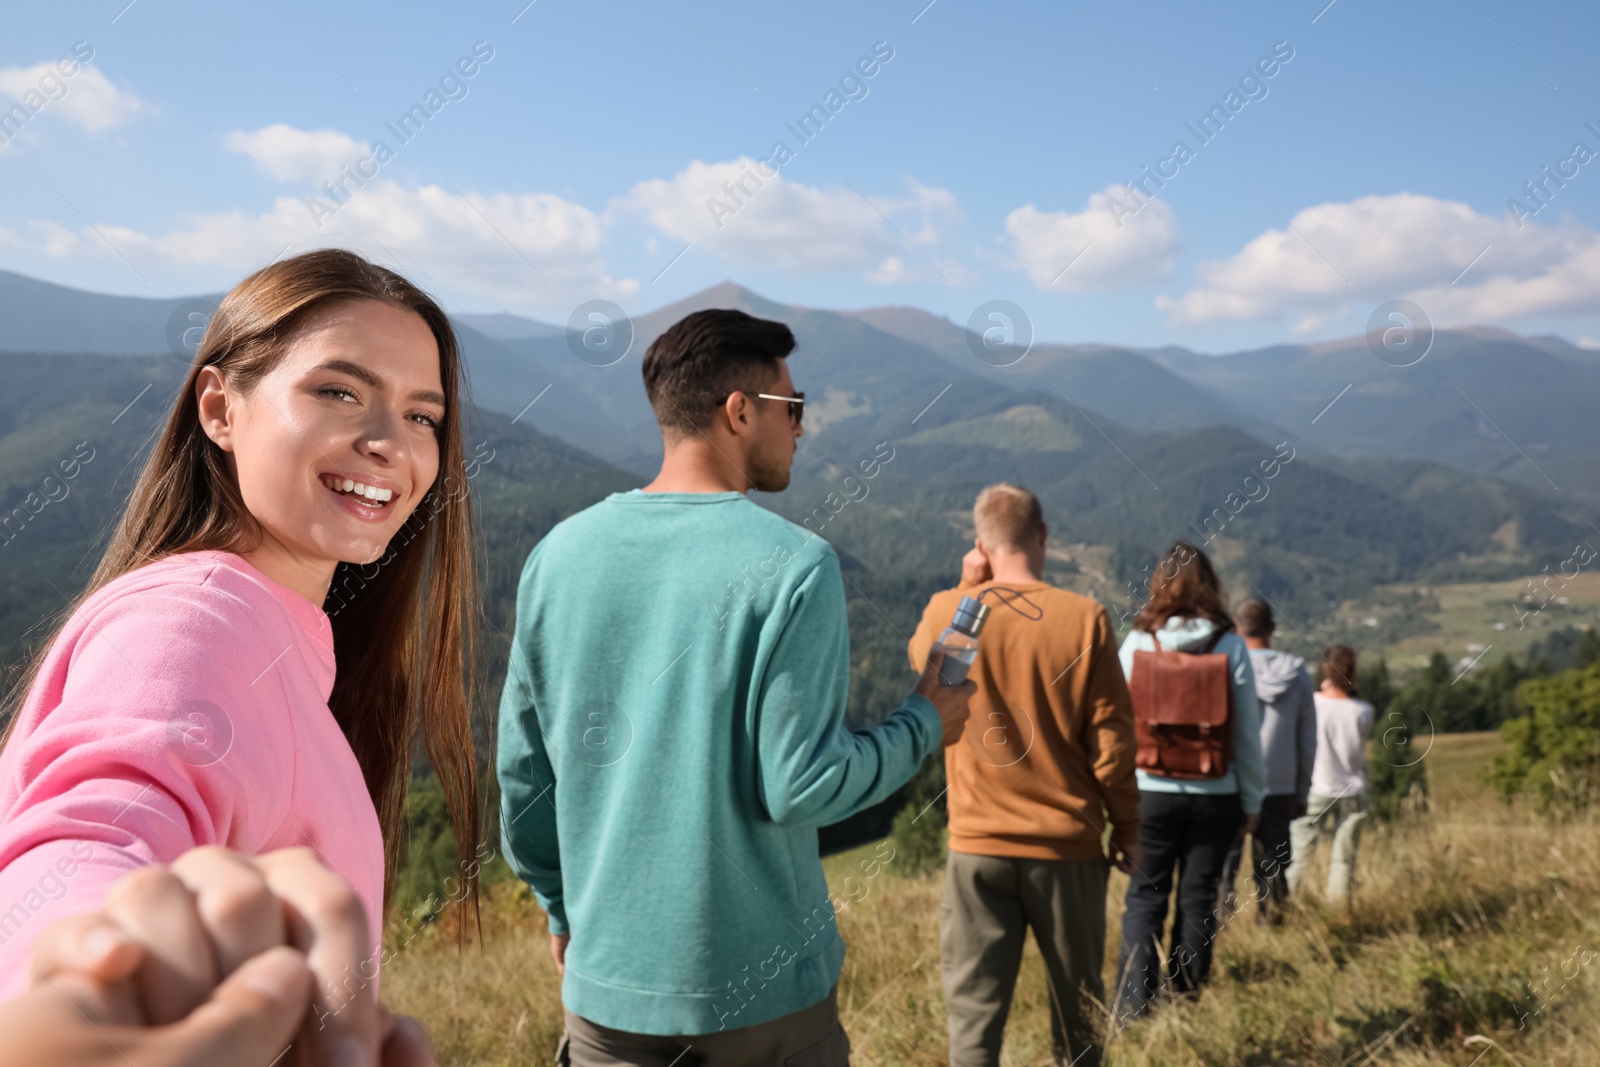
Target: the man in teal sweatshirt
(672, 731)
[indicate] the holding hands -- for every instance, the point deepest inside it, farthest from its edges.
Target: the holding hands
(219, 959)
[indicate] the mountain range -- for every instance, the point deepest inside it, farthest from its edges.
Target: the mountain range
(1474, 462)
(1483, 400)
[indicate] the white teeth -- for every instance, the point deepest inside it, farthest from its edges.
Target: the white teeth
(367, 492)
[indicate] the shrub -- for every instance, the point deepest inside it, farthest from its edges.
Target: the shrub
(432, 870)
(1554, 743)
(1401, 734)
(919, 830)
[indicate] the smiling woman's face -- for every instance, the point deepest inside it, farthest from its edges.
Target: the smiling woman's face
(336, 445)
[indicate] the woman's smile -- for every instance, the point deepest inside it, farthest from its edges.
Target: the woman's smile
(366, 497)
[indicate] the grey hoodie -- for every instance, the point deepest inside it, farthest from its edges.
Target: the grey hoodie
(1288, 721)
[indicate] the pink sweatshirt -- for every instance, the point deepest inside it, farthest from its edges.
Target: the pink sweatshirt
(184, 704)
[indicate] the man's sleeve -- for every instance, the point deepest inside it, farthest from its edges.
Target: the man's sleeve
(528, 785)
(812, 769)
(1249, 766)
(1107, 734)
(1305, 739)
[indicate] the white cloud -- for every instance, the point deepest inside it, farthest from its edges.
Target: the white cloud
(88, 97)
(288, 153)
(1375, 248)
(774, 222)
(1104, 246)
(523, 249)
(912, 268)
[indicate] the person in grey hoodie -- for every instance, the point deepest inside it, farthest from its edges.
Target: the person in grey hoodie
(1288, 747)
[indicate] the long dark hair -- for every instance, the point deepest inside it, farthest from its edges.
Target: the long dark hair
(1184, 585)
(404, 640)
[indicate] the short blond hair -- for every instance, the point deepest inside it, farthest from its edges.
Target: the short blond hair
(1007, 516)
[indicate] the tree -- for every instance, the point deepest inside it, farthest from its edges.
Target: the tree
(1554, 743)
(1402, 732)
(919, 828)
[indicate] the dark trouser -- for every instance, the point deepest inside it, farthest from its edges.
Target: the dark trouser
(1271, 852)
(810, 1037)
(1189, 833)
(989, 903)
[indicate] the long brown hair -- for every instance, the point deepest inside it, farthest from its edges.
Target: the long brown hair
(399, 669)
(1184, 585)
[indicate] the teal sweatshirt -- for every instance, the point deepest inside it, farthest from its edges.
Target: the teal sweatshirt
(671, 736)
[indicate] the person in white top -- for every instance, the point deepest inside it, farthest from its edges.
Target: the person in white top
(1338, 801)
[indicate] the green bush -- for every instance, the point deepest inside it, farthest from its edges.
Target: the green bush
(1554, 743)
(1402, 732)
(918, 835)
(431, 875)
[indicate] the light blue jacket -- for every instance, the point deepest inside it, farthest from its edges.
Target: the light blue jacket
(1246, 775)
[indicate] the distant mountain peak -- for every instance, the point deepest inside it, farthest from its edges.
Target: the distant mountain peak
(918, 326)
(1476, 332)
(728, 294)
(504, 326)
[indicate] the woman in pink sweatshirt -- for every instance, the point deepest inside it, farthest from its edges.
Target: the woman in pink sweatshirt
(284, 605)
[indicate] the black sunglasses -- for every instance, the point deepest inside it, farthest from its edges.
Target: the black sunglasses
(797, 403)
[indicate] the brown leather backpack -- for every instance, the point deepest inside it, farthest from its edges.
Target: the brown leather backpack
(1183, 711)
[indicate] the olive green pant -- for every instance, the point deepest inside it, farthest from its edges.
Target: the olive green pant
(810, 1037)
(989, 904)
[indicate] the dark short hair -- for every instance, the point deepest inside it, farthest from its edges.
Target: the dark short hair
(690, 370)
(1339, 663)
(1253, 617)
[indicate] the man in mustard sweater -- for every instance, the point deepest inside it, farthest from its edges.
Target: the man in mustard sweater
(1045, 766)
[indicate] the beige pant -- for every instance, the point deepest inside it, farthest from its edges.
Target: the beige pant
(989, 904)
(1340, 816)
(810, 1037)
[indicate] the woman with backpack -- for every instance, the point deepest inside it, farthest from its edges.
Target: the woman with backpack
(1197, 728)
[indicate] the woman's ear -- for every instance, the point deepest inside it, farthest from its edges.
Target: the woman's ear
(211, 401)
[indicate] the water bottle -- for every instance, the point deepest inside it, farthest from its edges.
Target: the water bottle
(960, 640)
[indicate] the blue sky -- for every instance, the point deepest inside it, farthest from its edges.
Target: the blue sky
(585, 157)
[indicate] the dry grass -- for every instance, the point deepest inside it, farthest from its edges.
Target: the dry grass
(1456, 913)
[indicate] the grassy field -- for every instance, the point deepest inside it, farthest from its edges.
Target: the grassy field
(1469, 941)
(1467, 618)
(1405, 622)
